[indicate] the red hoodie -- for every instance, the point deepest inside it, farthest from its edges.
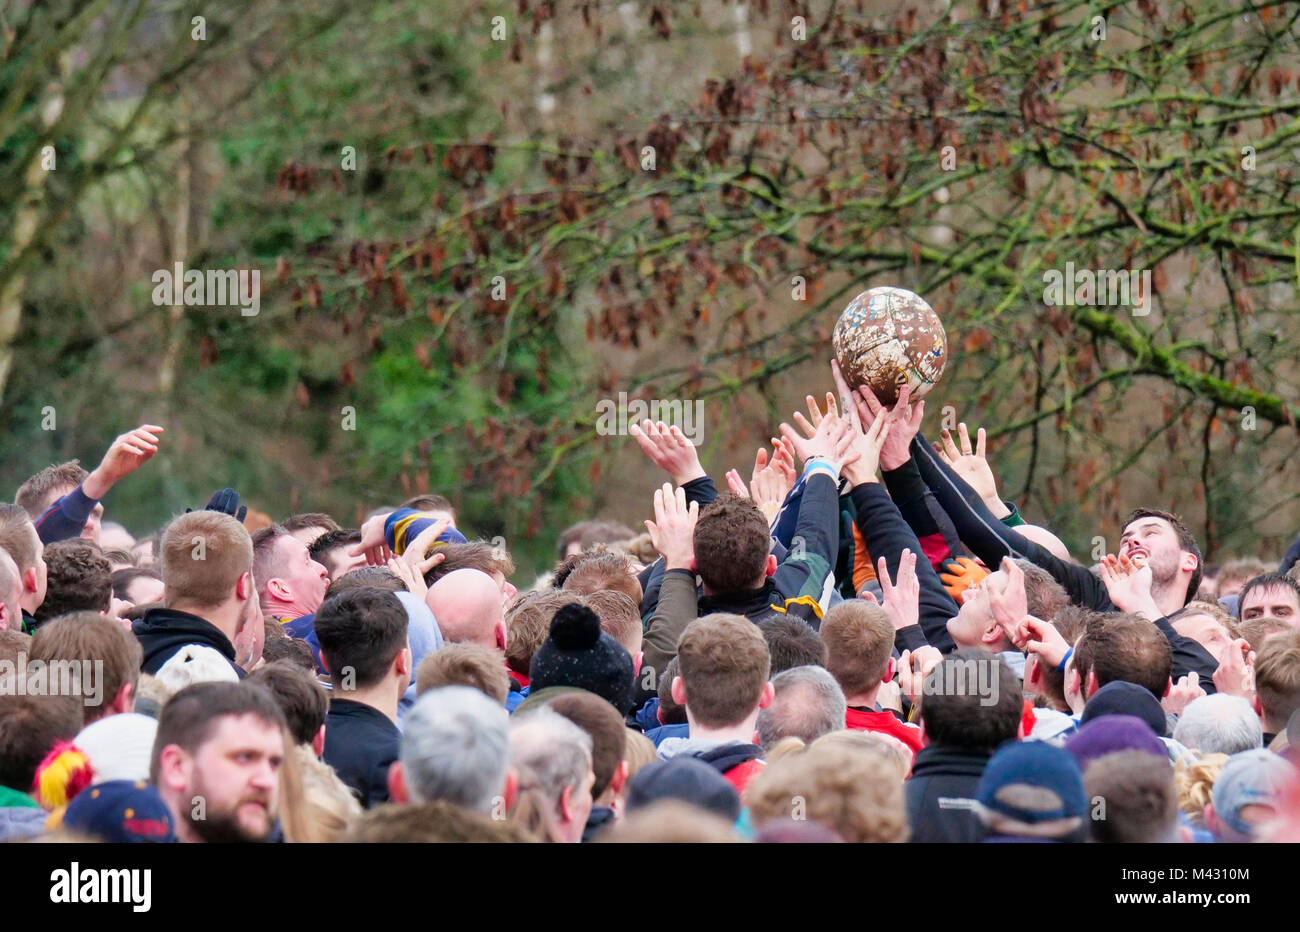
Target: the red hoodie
(885, 723)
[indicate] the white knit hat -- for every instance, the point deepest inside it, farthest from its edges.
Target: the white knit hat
(192, 664)
(119, 747)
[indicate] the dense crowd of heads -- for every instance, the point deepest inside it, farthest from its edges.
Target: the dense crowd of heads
(862, 643)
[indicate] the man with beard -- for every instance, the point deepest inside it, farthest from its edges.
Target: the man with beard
(1161, 568)
(208, 594)
(216, 762)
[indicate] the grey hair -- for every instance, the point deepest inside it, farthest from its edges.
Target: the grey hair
(1219, 724)
(808, 704)
(454, 748)
(552, 749)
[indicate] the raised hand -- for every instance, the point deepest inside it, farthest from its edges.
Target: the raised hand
(673, 530)
(831, 439)
(668, 449)
(226, 501)
(373, 544)
(961, 574)
(770, 483)
(415, 560)
(867, 444)
(973, 466)
(904, 418)
(1128, 583)
(1007, 599)
(1236, 673)
(1042, 638)
(902, 595)
(1187, 689)
(913, 667)
(125, 455)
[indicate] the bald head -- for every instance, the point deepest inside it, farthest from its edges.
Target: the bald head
(467, 606)
(1045, 539)
(11, 591)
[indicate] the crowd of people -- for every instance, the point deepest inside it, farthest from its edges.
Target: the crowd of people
(861, 642)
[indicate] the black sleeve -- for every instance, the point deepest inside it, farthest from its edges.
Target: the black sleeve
(909, 638)
(1189, 657)
(908, 492)
(700, 490)
(991, 540)
(888, 535)
(1292, 555)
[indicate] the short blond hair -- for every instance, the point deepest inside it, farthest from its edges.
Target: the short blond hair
(853, 792)
(203, 555)
(724, 663)
(859, 639)
(1277, 676)
(528, 624)
(620, 617)
(464, 664)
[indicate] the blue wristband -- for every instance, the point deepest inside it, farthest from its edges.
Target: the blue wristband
(1064, 660)
(821, 464)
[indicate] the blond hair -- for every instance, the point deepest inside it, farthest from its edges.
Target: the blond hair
(1194, 778)
(856, 793)
(315, 805)
(639, 751)
(204, 553)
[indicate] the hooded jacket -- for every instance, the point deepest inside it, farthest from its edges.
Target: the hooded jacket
(738, 761)
(942, 775)
(164, 631)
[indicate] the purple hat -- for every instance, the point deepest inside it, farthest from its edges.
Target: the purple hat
(1110, 733)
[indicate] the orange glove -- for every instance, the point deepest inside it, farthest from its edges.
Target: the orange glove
(961, 574)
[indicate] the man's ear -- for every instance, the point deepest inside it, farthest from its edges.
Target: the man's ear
(397, 790)
(278, 590)
(402, 663)
(244, 586)
(770, 569)
(767, 695)
(501, 635)
(1189, 562)
(1169, 684)
(636, 663)
(1092, 685)
(1072, 684)
(619, 780)
(124, 701)
(318, 742)
(1257, 706)
(679, 691)
(5, 621)
(889, 671)
(566, 803)
(30, 579)
(173, 768)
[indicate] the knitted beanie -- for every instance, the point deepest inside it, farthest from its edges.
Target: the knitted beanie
(578, 653)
